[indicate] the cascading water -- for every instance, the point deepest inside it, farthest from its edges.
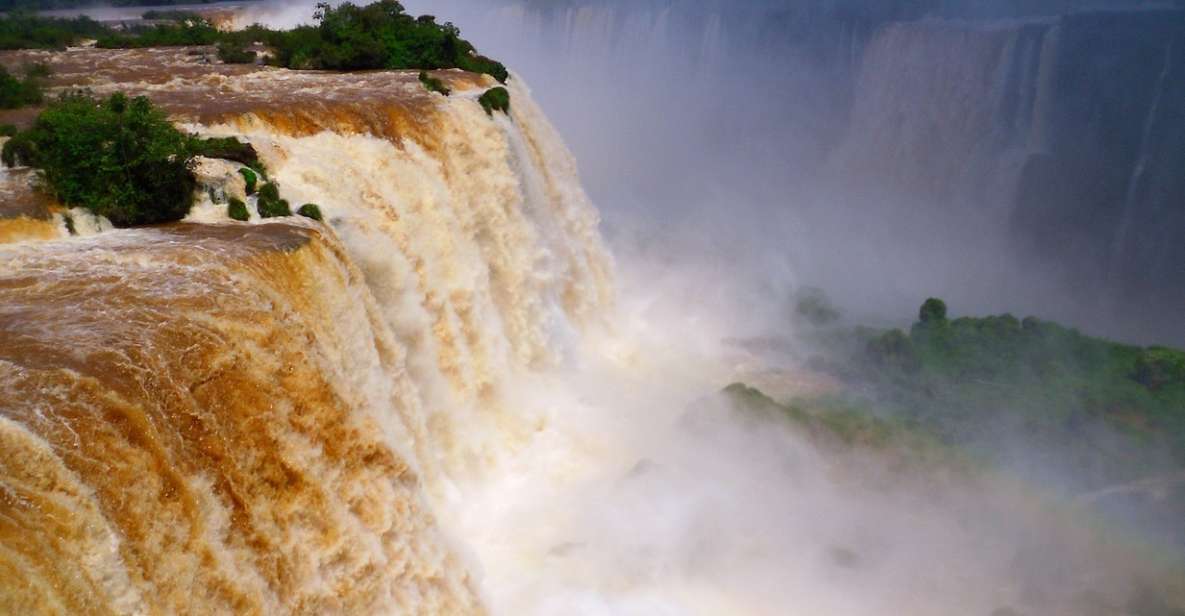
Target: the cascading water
(226, 418)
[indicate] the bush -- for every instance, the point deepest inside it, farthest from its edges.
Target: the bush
(18, 150)
(495, 99)
(433, 84)
(8, 130)
(119, 158)
(16, 93)
(231, 54)
(237, 210)
(269, 204)
(310, 210)
(250, 178)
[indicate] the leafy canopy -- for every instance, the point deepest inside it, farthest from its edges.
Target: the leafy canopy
(119, 158)
(378, 36)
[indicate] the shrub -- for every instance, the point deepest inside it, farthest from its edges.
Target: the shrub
(933, 311)
(190, 32)
(310, 210)
(16, 92)
(22, 30)
(433, 84)
(18, 150)
(237, 210)
(269, 204)
(8, 130)
(232, 54)
(250, 178)
(495, 99)
(119, 158)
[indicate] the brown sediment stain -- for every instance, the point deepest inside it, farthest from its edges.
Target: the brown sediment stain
(198, 448)
(24, 211)
(24, 228)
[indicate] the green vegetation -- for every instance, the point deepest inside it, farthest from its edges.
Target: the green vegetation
(250, 178)
(433, 84)
(237, 210)
(15, 93)
(227, 148)
(378, 36)
(1108, 411)
(195, 32)
(311, 210)
(120, 158)
(233, 54)
(347, 38)
(834, 421)
(269, 204)
(495, 99)
(20, 30)
(8, 130)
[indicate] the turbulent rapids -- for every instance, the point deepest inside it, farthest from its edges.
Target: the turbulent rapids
(213, 417)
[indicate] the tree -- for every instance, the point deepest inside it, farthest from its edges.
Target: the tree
(119, 158)
(933, 312)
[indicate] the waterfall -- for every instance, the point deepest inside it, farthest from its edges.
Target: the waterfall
(945, 110)
(270, 417)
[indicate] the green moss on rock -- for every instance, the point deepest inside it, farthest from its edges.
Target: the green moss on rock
(250, 178)
(310, 210)
(237, 210)
(270, 205)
